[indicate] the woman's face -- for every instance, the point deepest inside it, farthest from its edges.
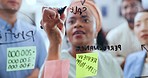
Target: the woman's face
(141, 27)
(81, 29)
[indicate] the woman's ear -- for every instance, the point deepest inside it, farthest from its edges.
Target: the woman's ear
(96, 34)
(97, 31)
(67, 39)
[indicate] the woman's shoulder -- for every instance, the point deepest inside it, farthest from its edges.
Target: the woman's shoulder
(134, 58)
(109, 63)
(105, 55)
(65, 54)
(136, 55)
(107, 59)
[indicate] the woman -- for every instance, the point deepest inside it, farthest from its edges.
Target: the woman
(136, 64)
(82, 27)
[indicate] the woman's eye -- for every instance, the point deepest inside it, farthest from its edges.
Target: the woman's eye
(137, 25)
(86, 20)
(125, 7)
(71, 21)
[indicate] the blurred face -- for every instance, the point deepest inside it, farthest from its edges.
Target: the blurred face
(129, 8)
(141, 27)
(10, 5)
(81, 29)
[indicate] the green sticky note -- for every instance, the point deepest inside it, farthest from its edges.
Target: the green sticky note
(21, 58)
(86, 65)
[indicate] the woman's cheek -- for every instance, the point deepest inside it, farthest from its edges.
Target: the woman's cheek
(137, 33)
(69, 35)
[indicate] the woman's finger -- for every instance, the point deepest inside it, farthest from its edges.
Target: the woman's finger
(62, 17)
(48, 14)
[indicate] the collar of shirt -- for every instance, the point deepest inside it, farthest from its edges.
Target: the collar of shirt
(4, 25)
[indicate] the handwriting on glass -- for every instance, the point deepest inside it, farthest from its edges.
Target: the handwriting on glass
(96, 47)
(83, 1)
(143, 47)
(78, 10)
(9, 35)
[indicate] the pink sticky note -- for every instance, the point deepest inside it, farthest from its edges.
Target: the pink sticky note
(56, 69)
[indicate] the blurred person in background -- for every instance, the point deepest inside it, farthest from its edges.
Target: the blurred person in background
(15, 33)
(123, 34)
(136, 64)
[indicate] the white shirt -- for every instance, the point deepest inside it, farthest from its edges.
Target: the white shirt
(124, 36)
(145, 70)
(107, 66)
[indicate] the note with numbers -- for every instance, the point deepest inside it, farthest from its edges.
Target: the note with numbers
(21, 58)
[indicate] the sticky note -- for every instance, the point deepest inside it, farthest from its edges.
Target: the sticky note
(21, 58)
(56, 69)
(86, 65)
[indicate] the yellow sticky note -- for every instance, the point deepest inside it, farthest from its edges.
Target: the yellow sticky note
(21, 58)
(86, 65)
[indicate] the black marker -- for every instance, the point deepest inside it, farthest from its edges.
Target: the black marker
(60, 11)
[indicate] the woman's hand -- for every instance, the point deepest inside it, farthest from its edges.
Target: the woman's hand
(53, 25)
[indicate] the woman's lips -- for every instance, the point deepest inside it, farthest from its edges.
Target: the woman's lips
(13, 2)
(78, 33)
(144, 36)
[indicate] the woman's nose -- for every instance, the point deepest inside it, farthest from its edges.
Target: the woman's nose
(144, 27)
(78, 24)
